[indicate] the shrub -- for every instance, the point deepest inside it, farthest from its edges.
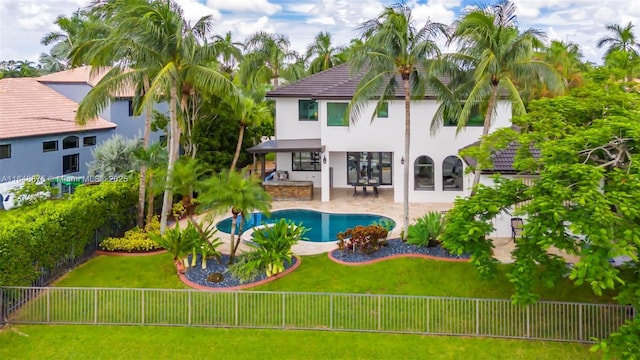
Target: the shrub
(427, 230)
(271, 248)
(192, 240)
(367, 239)
(134, 240)
(43, 234)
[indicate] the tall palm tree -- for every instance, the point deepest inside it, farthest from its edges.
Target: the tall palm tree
(394, 55)
(243, 194)
(266, 57)
(248, 112)
(323, 54)
(493, 58)
(172, 55)
(229, 51)
(621, 39)
(153, 159)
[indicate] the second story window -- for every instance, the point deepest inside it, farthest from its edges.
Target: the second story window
(130, 107)
(70, 142)
(335, 114)
(307, 110)
(475, 118)
(50, 146)
(5, 151)
(383, 111)
(70, 163)
(89, 141)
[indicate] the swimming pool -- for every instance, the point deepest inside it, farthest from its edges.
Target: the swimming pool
(323, 227)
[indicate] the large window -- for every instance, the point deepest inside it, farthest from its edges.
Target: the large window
(70, 163)
(50, 146)
(307, 110)
(5, 151)
(369, 167)
(130, 107)
(423, 173)
(70, 142)
(335, 114)
(452, 174)
(305, 161)
(475, 118)
(383, 111)
(89, 141)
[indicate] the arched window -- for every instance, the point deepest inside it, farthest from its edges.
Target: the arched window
(70, 142)
(452, 174)
(423, 173)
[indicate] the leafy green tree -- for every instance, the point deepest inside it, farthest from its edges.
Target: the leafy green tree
(153, 159)
(265, 60)
(492, 60)
(229, 51)
(393, 56)
(622, 38)
(583, 201)
(114, 157)
(15, 69)
(242, 194)
(249, 113)
(323, 54)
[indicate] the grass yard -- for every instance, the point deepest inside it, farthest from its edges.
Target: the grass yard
(123, 342)
(408, 276)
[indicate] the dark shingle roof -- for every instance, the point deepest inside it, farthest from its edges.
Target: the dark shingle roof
(502, 159)
(334, 83)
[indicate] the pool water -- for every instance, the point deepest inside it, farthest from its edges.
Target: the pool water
(322, 227)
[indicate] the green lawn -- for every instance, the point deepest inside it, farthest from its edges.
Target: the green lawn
(408, 276)
(122, 342)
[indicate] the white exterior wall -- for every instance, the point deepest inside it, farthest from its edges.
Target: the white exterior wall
(380, 135)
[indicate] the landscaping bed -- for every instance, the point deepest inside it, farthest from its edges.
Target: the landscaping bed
(395, 248)
(197, 276)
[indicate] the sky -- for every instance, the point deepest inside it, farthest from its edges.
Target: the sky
(24, 22)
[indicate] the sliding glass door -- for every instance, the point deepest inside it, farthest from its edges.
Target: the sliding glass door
(369, 167)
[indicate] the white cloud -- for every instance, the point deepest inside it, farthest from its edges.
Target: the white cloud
(259, 6)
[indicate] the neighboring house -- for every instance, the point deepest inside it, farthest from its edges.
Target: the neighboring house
(313, 143)
(38, 132)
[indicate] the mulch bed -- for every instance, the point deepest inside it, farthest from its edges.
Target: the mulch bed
(395, 248)
(196, 277)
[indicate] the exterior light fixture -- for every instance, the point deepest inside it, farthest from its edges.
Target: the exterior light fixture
(324, 159)
(402, 160)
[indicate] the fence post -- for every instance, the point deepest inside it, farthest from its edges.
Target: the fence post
(379, 311)
(581, 336)
(236, 308)
(331, 312)
(477, 317)
(48, 305)
(95, 305)
(283, 312)
(528, 321)
(189, 319)
(2, 315)
(142, 306)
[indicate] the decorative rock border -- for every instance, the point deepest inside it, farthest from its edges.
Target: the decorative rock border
(423, 256)
(193, 285)
(123, 253)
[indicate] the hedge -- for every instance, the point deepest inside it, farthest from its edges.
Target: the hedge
(39, 236)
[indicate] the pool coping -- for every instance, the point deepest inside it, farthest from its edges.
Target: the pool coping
(397, 256)
(193, 285)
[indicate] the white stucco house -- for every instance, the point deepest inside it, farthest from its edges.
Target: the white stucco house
(313, 143)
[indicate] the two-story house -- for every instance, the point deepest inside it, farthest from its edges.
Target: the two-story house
(313, 143)
(38, 132)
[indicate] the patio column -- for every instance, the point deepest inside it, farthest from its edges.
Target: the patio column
(263, 159)
(325, 176)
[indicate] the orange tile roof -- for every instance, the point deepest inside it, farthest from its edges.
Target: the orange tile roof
(82, 75)
(29, 108)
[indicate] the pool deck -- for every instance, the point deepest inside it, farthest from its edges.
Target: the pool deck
(342, 201)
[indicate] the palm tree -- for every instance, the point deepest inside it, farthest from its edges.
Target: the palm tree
(229, 52)
(187, 178)
(326, 55)
(493, 58)
(243, 194)
(152, 159)
(266, 57)
(622, 39)
(249, 112)
(162, 48)
(394, 55)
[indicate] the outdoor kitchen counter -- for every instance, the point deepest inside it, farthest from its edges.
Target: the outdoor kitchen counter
(289, 190)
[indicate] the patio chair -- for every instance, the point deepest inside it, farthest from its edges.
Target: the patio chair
(516, 227)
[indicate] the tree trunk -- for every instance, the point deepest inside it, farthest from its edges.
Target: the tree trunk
(407, 160)
(143, 167)
(485, 131)
(174, 146)
(238, 237)
(238, 147)
(232, 250)
(150, 201)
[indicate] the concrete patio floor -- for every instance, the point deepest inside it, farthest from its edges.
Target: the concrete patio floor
(343, 201)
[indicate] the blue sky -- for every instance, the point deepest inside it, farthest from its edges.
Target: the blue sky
(24, 22)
